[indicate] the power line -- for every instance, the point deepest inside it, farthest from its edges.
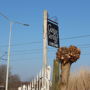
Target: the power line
(83, 45)
(36, 58)
(36, 51)
(31, 53)
(40, 42)
(31, 50)
(75, 37)
(49, 49)
(21, 44)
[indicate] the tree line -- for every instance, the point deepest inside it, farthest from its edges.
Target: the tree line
(14, 80)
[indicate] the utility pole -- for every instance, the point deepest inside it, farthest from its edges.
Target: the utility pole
(45, 48)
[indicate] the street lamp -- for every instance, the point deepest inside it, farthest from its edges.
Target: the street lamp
(9, 45)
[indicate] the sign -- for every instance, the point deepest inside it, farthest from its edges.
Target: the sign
(53, 34)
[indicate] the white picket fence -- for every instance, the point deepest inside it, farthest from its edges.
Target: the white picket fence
(37, 83)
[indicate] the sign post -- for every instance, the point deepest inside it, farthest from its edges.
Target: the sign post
(50, 33)
(45, 49)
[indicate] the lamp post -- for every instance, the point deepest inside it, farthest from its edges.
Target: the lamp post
(9, 45)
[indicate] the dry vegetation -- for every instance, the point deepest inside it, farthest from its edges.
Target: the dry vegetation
(79, 81)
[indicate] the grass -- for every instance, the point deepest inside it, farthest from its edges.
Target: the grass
(79, 80)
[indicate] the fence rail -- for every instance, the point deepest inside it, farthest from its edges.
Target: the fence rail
(37, 83)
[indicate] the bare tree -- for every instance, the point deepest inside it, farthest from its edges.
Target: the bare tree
(67, 56)
(2, 74)
(14, 80)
